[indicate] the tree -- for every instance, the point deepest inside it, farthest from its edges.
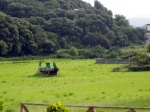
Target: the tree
(140, 60)
(98, 50)
(94, 39)
(148, 48)
(48, 47)
(121, 20)
(73, 52)
(112, 54)
(16, 48)
(98, 5)
(60, 24)
(52, 4)
(3, 47)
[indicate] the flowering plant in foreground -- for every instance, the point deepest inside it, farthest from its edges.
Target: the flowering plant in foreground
(58, 107)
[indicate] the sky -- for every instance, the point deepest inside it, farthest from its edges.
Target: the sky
(128, 8)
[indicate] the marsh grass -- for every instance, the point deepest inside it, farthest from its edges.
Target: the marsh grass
(79, 82)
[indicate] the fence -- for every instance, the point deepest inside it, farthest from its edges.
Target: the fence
(24, 108)
(111, 61)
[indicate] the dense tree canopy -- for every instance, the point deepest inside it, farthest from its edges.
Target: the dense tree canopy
(44, 26)
(19, 37)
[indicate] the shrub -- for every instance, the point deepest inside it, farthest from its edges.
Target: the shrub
(58, 107)
(148, 48)
(140, 68)
(73, 52)
(140, 60)
(86, 53)
(112, 54)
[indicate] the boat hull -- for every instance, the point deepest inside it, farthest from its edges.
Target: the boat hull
(49, 72)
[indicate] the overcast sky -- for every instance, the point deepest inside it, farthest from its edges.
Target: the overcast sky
(128, 8)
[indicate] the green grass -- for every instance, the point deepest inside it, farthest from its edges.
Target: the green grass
(79, 82)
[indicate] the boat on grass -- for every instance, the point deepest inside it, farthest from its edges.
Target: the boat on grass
(48, 70)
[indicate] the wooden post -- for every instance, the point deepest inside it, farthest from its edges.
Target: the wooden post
(25, 108)
(131, 110)
(21, 107)
(91, 109)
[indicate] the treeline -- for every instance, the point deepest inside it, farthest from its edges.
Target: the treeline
(44, 26)
(19, 37)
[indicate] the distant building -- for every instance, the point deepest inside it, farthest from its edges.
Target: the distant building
(148, 32)
(147, 28)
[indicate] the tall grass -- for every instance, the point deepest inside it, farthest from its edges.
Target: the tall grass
(79, 82)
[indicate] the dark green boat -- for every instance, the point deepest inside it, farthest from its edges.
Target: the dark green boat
(48, 70)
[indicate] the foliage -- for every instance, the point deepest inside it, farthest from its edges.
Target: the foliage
(80, 53)
(86, 53)
(3, 47)
(19, 37)
(63, 54)
(139, 68)
(58, 107)
(121, 20)
(73, 52)
(99, 51)
(94, 39)
(140, 60)
(90, 52)
(113, 52)
(42, 27)
(148, 48)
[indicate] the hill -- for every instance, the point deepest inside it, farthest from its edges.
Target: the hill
(61, 24)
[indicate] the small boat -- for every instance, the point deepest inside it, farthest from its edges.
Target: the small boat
(48, 70)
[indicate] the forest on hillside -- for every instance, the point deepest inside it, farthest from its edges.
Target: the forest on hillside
(37, 27)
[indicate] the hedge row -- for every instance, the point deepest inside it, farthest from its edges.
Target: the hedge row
(140, 68)
(25, 58)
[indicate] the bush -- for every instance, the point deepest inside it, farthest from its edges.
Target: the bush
(112, 54)
(1, 105)
(73, 52)
(86, 53)
(63, 55)
(58, 108)
(140, 68)
(140, 60)
(148, 48)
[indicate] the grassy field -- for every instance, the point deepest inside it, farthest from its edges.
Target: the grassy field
(79, 82)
